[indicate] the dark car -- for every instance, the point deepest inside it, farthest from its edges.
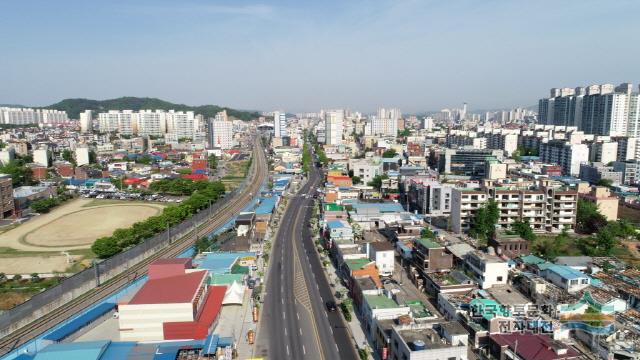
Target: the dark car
(331, 306)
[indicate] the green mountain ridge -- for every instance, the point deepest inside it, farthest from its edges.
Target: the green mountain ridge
(74, 107)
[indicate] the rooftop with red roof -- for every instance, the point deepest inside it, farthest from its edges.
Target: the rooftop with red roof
(535, 346)
(170, 290)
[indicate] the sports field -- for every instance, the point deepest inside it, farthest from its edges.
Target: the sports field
(36, 245)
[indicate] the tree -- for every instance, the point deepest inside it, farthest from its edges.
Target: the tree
(484, 223)
(523, 229)
(605, 182)
(377, 181)
(426, 233)
(17, 277)
(67, 155)
(43, 206)
(588, 218)
(3, 276)
(517, 155)
(105, 247)
(20, 174)
(35, 277)
(144, 159)
(93, 157)
(356, 180)
(404, 133)
(213, 162)
(389, 153)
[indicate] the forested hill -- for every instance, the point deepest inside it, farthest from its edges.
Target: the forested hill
(74, 107)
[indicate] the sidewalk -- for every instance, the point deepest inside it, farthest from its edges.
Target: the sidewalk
(355, 326)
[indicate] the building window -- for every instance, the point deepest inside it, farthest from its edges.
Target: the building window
(499, 278)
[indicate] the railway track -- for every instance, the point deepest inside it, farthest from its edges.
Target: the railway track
(231, 207)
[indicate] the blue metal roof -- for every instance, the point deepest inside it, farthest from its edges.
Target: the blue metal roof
(566, 272)
(267, 205)
(118, 350)
(170, 351)
(71, 351)
(387, 207)
(78, 323)
(210, 345)
(335, 224)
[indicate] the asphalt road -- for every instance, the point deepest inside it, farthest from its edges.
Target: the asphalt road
(295, 323)
(231, 207)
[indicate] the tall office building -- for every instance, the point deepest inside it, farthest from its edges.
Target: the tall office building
(220, 132)
(334, 125)
(86, 121)
(280, 124)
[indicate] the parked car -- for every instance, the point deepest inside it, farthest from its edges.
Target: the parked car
(331, 305)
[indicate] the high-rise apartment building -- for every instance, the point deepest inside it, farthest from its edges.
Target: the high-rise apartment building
(182, 124)
(386, 122)
(568, 156)
(334, 125)
(280, 124)
(152, 123)
(596, 109)
(82, 155)
(26, 116)
(108, 122)
(220, 132)
(86, 121)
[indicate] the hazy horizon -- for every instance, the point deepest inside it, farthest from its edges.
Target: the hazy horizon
(415, 55)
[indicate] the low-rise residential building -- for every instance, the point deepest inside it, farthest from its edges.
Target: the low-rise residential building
(527, 346)
(464, 205)
(567, 278)
(382, 253)
(488, 270)
(426, 341)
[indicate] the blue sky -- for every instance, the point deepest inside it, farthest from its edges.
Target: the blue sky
(303, 55)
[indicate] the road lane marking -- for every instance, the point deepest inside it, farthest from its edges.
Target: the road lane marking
(298, 315)
(304, 351)
(288, 350)
(284, 316)
(300, 331)
(285, 331)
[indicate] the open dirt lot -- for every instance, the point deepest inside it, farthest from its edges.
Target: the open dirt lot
(75, 226)
(34, 264)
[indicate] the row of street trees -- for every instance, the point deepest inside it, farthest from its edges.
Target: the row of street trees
(202, 194)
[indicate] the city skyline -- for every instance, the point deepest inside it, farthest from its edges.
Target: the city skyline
(418, 56)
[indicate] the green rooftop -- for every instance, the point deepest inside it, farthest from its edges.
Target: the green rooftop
(333, 207)
(225, 279)
(418, 309)
(356, 264)
(380, 302)
(429, 244)
(532, 260)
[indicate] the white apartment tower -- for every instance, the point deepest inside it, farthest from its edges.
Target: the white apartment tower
(334, 125)
(152, 123)
(386, 122)
(220, 132)
(279, 124)
(182, 124)
(86, 120)
(82, 155)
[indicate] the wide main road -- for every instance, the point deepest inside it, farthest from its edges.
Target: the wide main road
(232, 206)
(295, 323)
